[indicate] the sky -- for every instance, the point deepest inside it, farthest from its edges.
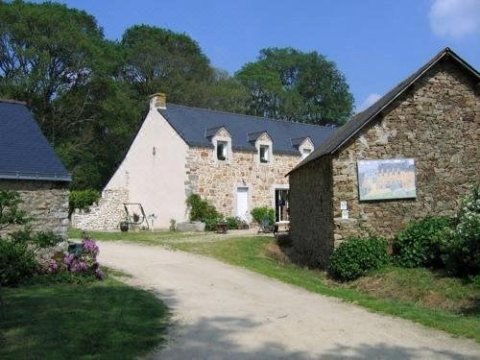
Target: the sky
(375, 43)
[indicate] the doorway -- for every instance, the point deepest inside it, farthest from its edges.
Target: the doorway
(242, 203)
(281, 205)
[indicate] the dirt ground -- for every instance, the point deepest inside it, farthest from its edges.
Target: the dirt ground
(225, 312)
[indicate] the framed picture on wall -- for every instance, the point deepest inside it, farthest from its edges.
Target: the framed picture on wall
(386, 179)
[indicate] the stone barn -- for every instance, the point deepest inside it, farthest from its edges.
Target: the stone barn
(29, 165)
(412, 154)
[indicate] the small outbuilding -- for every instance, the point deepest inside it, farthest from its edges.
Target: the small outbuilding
(29, 165)
(412, 154)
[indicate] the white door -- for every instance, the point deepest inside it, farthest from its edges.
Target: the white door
(242, 203)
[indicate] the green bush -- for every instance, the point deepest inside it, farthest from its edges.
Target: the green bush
(21, 236)
(462, 247)
(82, 199)
(356, 256)
(10, 213)
(17, 263)
(263, 213)
(420, 243)
(45, 239)
(202, 210)
(233, 222)
(41, 239)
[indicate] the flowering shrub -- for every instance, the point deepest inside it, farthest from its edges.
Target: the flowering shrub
(83, 259)
(462, 247)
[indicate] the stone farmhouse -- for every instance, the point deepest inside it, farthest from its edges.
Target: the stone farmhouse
(420, 144)
(29, 165)
(236, 162)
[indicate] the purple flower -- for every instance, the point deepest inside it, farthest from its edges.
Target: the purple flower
(90, 246)
(68, 260)
(52, 266)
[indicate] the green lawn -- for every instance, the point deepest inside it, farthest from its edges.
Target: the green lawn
(145, 237)
(91, 320)
(415, 294)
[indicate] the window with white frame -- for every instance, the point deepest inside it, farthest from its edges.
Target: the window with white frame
(222, 150)
(264, 152)
(306, 152)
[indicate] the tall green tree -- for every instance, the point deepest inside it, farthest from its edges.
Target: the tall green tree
(226, 93)
(47, 50)
(293, 85)
(160, 60)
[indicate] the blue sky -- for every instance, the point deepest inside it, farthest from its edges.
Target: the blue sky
(375, 43)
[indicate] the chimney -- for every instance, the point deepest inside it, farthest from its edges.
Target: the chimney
(159, 101)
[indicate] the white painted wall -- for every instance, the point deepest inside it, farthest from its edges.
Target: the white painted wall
(153, 170)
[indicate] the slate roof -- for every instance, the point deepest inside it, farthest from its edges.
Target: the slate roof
(360, 120)
(25, 153)
(195, 126)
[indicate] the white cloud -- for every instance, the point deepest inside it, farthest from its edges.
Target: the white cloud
(370, 100)
(455, 18)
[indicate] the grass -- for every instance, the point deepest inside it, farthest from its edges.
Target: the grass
(145, 237)
(52, 318)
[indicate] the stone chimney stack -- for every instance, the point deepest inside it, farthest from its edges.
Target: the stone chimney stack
(158, 100)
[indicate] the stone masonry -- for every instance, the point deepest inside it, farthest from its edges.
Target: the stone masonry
(437, 123)
(217, 181)
(45, 202)
(106, 215)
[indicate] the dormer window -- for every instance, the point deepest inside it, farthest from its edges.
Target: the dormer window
(222, 150)
(264, 152)
(306, 152)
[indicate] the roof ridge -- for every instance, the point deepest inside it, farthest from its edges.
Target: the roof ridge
(361, 119)
(12, 101)
(252, 116)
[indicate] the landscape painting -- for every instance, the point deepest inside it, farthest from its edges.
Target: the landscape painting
(386, 179)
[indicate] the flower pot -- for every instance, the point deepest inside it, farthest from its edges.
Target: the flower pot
(123, 226)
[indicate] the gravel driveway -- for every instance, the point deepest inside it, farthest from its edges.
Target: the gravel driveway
(225, 312)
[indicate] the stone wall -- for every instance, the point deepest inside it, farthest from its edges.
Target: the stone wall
(45, 202)
(106, 215)
(311, 211)
(217, 181)
(437, 123)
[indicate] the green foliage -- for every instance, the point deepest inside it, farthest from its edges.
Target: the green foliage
(462, 247)
(41, 239)
(82, 199)
(46, 239)
(356, 256)
(160, 59)
(67, 316)
(21, 236)
(202, 210)
(289, 84)
(10, 214)
(233, 222)
(420, 243)
(17, 263)
(262, 214)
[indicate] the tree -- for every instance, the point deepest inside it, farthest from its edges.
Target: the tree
(57, 60)
(226, 93)
(160, 60)
(297, 86)
(47, 50)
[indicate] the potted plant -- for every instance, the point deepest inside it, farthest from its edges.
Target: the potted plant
(124, 226)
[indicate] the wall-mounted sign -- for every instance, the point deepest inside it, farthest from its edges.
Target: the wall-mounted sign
(386, 179)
